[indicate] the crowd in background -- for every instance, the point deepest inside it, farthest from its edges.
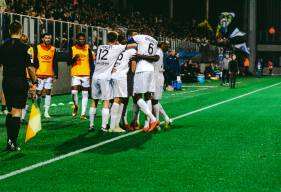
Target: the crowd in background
(102, 14)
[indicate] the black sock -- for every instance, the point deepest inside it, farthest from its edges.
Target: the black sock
(15, 127)
(8, 126)
(3, 108)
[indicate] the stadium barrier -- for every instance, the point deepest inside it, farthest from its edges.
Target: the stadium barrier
(64, 35)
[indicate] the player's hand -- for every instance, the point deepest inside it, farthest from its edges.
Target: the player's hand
(76, 57)
(114, 70)
(32, 91)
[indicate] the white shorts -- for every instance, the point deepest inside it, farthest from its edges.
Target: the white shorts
(102, 89)
(82, 81)
(120, 88)
(144, 82)
(46, 83)
(159, 86)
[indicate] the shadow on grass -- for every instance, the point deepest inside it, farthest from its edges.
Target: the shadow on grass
(89, 139)
(135, 141)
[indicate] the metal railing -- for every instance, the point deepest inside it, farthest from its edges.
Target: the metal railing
(63, 33)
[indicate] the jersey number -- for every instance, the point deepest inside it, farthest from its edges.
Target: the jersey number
(150, 48)
(105, 53)
(120, 57)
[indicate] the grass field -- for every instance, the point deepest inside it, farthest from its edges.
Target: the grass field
(228, 140)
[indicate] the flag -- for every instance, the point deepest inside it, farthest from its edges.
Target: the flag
(34, 123)
(237, 33)
(243, 47)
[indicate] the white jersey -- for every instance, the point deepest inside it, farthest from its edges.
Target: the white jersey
(122, 64)
(159, 65)
(106, 58)
(147, 45)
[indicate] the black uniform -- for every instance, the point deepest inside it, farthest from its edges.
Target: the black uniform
(233, 70)
(15, 59)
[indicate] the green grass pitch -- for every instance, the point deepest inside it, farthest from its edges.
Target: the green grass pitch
(232, 147)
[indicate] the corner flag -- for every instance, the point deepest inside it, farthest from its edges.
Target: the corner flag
(34, 123)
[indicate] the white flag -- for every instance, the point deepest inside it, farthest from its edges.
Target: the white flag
(237, 33)
(243, 47)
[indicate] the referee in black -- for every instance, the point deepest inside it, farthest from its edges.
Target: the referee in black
(15, 59)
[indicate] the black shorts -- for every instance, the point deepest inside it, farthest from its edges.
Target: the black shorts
(130, 84)
(15, 92)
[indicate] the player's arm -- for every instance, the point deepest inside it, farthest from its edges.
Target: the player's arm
(91, 62)
(55, 63)
(30, 68)
(148, 58)
(131, 46)
(35, 59)
(133, 66)
(72, 59)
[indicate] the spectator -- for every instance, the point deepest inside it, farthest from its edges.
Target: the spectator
(172, 68)
(225, 70)
(246, 66)
(270, 67)
(233, 71)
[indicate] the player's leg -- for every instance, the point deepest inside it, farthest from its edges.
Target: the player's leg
(48, 87)
(106, 96)
(39, 91)
(85, 96)
(3, 102)
(16, 96)
(136, 109)
(153, 123)
(92, 114)
(96, 95)
(119, 91)
(75, 85)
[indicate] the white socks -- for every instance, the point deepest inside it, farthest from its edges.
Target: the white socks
(92, 113)
(75, 96)
(47, 103)
(119, 114)
(163, 113)
(145, 108)
(156, 110)
(24, 110)
(114, 114)
(105, 117)
(85, 96)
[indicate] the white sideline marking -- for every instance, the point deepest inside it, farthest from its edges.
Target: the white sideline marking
(41, 164)
(198, 86)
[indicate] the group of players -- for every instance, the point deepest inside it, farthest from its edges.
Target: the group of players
(120, 69)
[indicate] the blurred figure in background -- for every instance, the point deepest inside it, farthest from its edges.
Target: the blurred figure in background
(270, 67)
(233, 71)
(172, 67)
(246, 64)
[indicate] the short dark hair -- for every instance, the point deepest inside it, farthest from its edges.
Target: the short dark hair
(45, 34)
(121, 39)
(80, 35)
(131, 31)
(112, 36)
(15, 27)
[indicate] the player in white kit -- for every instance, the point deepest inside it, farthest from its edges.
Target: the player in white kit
(159, 84)
(107, 56)
(119, 84)
(144, 81)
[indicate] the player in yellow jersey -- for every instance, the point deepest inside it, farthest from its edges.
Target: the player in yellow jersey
(45, 60)
(82, 65)
(30, 51)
